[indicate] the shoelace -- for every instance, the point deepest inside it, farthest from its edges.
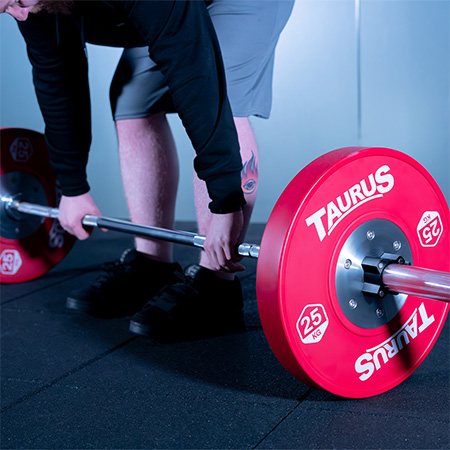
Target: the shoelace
(169, 296)
(111, 271)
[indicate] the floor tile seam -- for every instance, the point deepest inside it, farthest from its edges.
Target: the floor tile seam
(68, 374)
(37, 311)
(300, 401)
(374, 414)
(80, 272)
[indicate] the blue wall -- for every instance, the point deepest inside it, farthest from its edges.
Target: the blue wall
(403, 102)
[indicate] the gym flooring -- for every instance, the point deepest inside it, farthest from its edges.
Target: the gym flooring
(70, 381)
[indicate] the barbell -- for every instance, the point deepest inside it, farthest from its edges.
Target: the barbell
(353, 282)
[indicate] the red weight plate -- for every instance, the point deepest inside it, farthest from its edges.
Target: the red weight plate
(24, 156)
(301, 316)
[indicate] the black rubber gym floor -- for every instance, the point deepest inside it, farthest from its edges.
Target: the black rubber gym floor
(70, 381)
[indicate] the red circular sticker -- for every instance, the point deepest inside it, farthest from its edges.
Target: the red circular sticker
(24, 152)
(297, 300)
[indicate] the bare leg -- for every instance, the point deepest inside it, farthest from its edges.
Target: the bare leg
(250, 159)
(149, 165)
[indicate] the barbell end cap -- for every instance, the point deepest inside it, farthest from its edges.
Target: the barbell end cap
(10, 204)
(7, 201)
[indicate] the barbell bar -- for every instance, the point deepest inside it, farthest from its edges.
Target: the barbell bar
(352, 249)
(426, 283)
(13, 206)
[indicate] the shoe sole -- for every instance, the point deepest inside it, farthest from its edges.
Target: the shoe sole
(172, 333)
(72, 303)
(139, 328)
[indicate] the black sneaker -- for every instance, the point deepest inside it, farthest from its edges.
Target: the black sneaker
(124, 286)
(199, 305)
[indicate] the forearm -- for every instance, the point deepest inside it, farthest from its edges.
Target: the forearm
(60, 80)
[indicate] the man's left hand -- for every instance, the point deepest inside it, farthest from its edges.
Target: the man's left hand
(221, 239)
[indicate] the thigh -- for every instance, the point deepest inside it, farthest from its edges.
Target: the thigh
(248, 32)
(138, 88)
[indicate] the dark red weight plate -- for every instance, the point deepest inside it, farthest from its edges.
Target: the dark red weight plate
(29, 246)
(301, 316)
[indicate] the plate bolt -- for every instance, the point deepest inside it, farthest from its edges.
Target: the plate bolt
(347, 264)
(397, 245)
(352, 303)
(370, 235)
(380, 312)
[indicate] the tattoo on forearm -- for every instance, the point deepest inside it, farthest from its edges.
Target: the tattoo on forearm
(250, 175)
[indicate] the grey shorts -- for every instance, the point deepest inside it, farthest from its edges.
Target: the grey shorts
(248, 32)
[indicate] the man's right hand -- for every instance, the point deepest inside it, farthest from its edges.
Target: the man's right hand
(71, 213)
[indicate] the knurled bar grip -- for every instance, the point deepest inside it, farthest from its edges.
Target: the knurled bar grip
(109, 223)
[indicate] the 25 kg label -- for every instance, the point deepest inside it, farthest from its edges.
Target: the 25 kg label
(429, 229)
(312, 323)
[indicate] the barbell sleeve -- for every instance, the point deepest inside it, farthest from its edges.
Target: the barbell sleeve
(12, 206)
(425, 283)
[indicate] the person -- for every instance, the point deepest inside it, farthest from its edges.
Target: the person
(184, 74)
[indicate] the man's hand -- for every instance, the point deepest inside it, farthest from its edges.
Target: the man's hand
(223, 232)
(71, 213)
